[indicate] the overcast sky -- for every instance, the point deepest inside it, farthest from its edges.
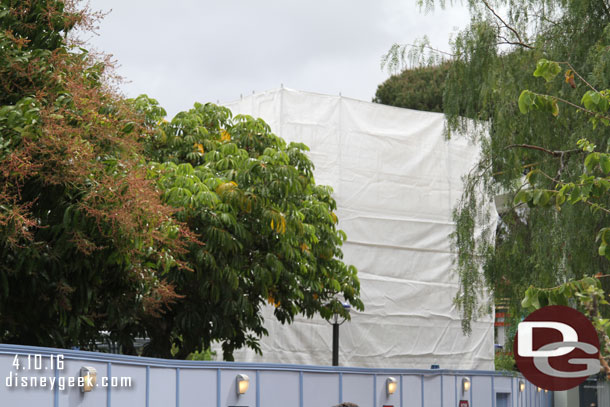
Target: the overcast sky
(183, 51)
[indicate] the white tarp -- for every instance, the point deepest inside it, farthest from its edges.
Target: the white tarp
(396, 180)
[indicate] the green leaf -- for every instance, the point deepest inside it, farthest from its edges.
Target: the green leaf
(595, 102)
(602, 249)
(604, 163)
(591, 161)
(521, 197)
(526, 303)
(336, 286)
(128, 128)
(87, 320)
(587, 99)
(535, 301)
(555, 108)
(547, 69)
(560, 197)
(541, 197)
(526, 101)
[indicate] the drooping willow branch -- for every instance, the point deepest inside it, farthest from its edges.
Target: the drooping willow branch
(514, 31)
(554, 153)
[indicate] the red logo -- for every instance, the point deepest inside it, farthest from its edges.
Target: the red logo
(556, 348)
(463, 403)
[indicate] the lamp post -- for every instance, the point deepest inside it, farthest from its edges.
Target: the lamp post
(336, 323)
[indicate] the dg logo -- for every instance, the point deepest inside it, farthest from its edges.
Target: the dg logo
(556, 348)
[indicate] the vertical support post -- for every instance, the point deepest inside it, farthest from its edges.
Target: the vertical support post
(401, 392)
(374, 390)
(340, 387)
(335, 344)
(109, 388)
(147, 386)
(301, 404)
(56, 390)
(218, 388)
(258, 388)
(177, 387)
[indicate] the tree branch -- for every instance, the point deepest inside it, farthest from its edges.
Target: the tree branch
(548, 20)
(519, 40)
(577, 74)
(567, 102)
(558, 286)
(556, 153)
(596, 206)
(430, 48)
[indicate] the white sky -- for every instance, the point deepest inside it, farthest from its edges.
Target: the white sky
(183, 51)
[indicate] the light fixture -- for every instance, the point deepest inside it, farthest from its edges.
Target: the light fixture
(242, 382)
(390, 385)
(539, 389)
(465, 385)
(336, 323)
(521, 386)
(546, 390)
(88, 378)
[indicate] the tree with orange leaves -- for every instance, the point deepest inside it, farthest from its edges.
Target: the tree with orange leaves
(84, 235)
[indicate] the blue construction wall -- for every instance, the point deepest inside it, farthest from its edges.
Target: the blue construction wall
(169, 383)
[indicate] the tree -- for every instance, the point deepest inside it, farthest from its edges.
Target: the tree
(526, 157)
(420, 88)
(81, 229)
(267, 232)
(112, 219)
(591, 188)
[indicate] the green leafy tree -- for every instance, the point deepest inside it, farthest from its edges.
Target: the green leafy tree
(536, 158)
(590, 188)
(418, 88)
(267, 233)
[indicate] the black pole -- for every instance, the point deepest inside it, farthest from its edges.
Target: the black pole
(335, 344)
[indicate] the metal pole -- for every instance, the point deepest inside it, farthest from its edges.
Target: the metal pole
(335, 344)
